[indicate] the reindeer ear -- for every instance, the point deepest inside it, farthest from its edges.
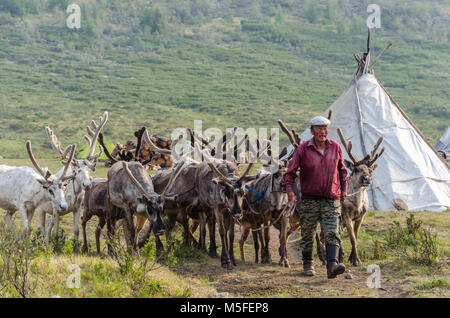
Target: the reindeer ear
(374, 167)
(348, 164)
(219, 181)
(249, 178)
(44, 183)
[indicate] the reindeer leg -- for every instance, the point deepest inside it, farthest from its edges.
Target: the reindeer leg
(265, 240)
(224, 258)
(321, 247)
(170, 225)
(257, 238)
(202, 237)
(50, 224)
(140, 222)
(98, 230)
(76, 230)
(111, 227)
(353, 256)
(145, 235)
(341, 253)
(356, 228)
(195, 224)
(8, 219)
(84, 219)
(212, 236)
(283, 238)
(231, 237)
(55, 221)
(244, 236)
(130, 227)
(183, 220)
(41, 215)
(24, 216)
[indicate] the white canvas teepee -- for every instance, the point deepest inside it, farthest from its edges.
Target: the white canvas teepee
(409, 169)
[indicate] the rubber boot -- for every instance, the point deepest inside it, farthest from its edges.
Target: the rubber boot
(308, 267)
(333, 267)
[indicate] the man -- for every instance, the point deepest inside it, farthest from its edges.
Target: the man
(323, 183)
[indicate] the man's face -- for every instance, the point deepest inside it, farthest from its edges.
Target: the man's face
(320, 133)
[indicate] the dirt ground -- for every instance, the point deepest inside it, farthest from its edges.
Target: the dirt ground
(248, 279)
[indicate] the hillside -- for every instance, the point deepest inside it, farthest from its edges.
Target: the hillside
(163, 64)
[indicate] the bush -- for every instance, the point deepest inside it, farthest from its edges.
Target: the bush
(413, 241)
(154, 19)
(61, 4)
(17, 250)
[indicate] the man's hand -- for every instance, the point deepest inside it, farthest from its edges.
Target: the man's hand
(291, 196)
(343, 196)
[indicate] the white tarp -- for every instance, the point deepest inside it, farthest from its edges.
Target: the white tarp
(408, 169)
(444, 142)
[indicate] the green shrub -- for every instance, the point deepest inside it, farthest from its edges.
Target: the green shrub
(413, 241)
(154, 19)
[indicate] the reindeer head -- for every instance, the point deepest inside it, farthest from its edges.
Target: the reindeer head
(361, 170)
(54, 186)
(230, 184)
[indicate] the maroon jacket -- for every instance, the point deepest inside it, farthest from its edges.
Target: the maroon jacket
(321, 176)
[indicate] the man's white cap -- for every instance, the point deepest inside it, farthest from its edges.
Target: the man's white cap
(320, 121)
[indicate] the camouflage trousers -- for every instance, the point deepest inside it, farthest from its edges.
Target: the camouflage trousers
(325, 211)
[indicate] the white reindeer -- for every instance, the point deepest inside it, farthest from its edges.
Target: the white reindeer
(21, 188)
(74, 193)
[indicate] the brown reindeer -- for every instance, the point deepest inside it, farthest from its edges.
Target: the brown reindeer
(355, 207)
(176, 210)
(95, 203)
(223, 196)
(262, 206)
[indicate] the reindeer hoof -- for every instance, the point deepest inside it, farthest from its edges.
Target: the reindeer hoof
(354, 259)
(227, 265)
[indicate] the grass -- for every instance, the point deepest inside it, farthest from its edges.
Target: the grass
(225, 66)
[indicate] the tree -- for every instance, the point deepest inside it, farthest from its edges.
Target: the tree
(330, 11)
(154, 19)
(311, 11)
(279, 16)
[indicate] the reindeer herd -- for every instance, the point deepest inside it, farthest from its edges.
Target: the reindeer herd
(202, 193)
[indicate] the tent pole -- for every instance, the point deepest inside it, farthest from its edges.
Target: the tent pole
(414, 126)
(361, 132)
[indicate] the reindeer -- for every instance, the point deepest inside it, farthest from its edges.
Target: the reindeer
(95, 203)
(179, 209)
(262, 205)
(355, 207)
(223, 196)
(21, 188)
(75, 190)
(131, 190)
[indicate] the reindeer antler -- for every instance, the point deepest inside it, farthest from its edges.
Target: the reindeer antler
(94, 136)
(374, 155)
(293, 136)
(176, 171)
(56, 145)
(63, 177)
(151, 144)
(369, 159)
(348, 148)
(209, 160)
(46, 174)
